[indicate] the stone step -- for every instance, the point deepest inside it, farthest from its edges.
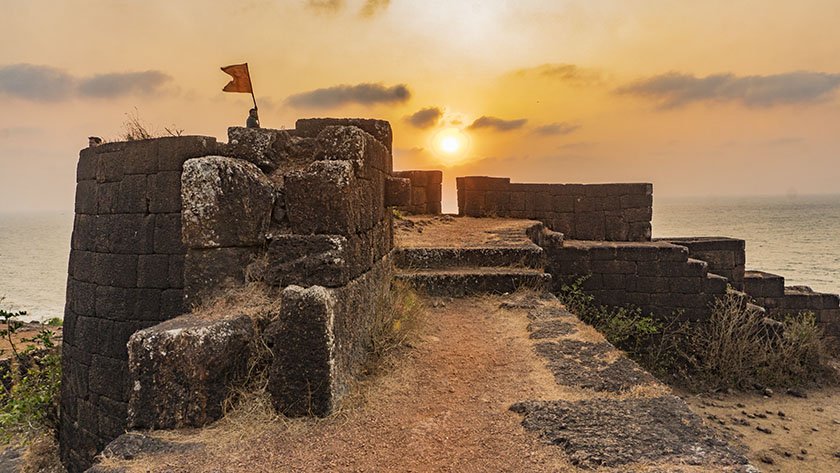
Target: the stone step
(530, 256)
(458, 282)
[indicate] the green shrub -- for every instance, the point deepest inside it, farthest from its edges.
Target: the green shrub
(737, 347)
(30, 384)
(625, 327)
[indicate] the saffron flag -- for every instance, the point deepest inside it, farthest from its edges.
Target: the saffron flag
(241, 79)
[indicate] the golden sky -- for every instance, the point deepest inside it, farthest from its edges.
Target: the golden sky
(700, 98)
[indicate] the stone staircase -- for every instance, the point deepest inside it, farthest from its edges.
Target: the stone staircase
(504, 265)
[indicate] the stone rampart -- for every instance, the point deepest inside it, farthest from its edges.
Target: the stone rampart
(657, 277)
(305, 213)
(769, 291)
(167, 226)
(601, 212)
(125, 274)
(726, 256)
(426, 189)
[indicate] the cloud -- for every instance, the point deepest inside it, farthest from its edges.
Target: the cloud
(365, 94)
(425, 118)
(553, 129)
(497, 124)
(369, 9)
(37, 83)
(784, 141)
(18, 131)
(577, 145)
(325, 6)
(125, 83)
(674, 89)
(49, 84)
(568, 73)
(372, 7)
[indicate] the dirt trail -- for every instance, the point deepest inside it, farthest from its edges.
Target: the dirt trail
(444, 409)
(448, 404)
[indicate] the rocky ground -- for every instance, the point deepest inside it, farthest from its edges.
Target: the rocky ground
(796, 431)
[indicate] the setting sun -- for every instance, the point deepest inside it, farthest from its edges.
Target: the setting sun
(450, 145)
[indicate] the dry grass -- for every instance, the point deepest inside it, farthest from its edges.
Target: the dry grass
(136, 129)
(398, 314)
(41, 456)
(256, 300)
(738, 347)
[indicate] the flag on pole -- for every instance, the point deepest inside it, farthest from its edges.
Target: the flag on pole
(241, 79)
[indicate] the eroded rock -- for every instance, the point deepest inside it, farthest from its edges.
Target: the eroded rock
(226, 202)
(181, 370)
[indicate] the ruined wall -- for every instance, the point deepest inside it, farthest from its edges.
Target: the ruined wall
(425, 192)
(304, 213)
(125, 274)
(726, 256)
(769, 291)
(611, 212)
(658, 277)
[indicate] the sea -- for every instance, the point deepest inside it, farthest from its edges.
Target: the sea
(797, 237)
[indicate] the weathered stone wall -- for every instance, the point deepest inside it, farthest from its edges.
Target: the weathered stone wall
(658, 277)
(125, 274)
(603, 212)
(769, 291)
(322, 339)
(726, 256)
(426, 189)
(303, 213)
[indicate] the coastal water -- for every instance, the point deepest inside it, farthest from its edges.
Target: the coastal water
(797, 237)
(34, 249)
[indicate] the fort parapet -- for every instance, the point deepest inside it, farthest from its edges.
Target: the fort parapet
(611, 212)
(126, 273)
(426, 188)
(165, 226)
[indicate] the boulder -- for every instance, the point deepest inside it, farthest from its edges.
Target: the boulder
(226, 202)
(181, 371)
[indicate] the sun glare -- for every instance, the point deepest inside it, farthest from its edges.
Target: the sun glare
(450, 145)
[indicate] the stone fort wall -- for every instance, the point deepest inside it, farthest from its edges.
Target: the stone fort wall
(426, 188)
(658, 277)
(166, 226)
(611, 212)
(726, 257)
(125, 274)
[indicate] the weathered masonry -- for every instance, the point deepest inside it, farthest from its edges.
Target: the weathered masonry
(606, 234)
(426, 187)
(612, 212)
(164, 226)
(126, 273)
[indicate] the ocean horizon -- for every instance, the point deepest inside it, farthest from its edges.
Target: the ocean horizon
(797, 237)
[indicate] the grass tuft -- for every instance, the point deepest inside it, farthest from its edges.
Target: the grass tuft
(736, 348)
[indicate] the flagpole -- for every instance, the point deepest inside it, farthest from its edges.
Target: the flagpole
(251, 83)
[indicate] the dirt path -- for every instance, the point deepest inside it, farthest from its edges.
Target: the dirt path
(444, 409)
(492, 384)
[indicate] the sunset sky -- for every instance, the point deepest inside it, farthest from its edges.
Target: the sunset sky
(700, 98)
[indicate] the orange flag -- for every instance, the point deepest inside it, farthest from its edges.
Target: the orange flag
(241, 79)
